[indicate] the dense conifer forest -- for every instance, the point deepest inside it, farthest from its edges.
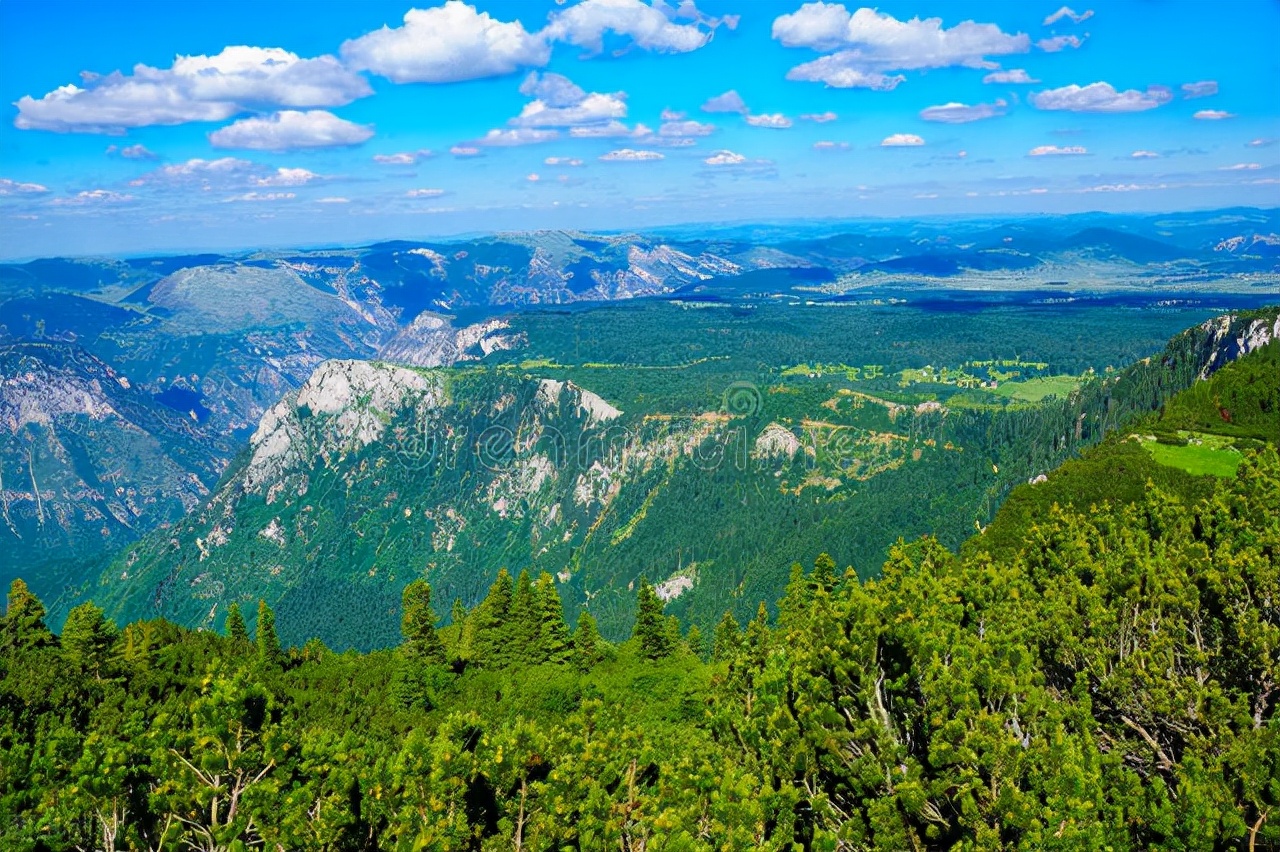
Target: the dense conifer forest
(1091, 672)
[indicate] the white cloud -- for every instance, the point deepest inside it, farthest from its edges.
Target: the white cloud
(195, 88)
(831, 146)
(1059, 43)
(844, 71)
(290, 130)
(1261, 143)
(629, 155)
(1101, 97)
(725, 158)
(901, 140)
(612, 130)
(819, 117)
(730, 101)
(94, 196)
(333, 199)
(1144, 155)
(562, 161)
(424, 193)
(776, 121)
(669, 114)
(518, 136)
(870, 43)
(957, 113)
(1067, 12)
(132, 152)
(647, 27)
(533, 177)
(1118, 187)
(466, 151)
(288, 177)
(447, 44)
(1213, 115)
(1202, 89)
(686, 128)
(1241, 167)
(1013, 75)
(403, 158)
(13, 187)
(1055, 151)
(263, 196)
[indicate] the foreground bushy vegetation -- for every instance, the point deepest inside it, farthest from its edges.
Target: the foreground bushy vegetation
(1113, 684)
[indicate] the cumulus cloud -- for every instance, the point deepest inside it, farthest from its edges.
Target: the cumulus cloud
(776, 121)
(290, 130)
(94, 196)
(1213, 115)
(403, 158)
(730, 101)
(1101, 97)
(562, 161)
(424, 193)
(533, 177)
(558, 102)
(466, 151)
(13, 187)
(447, 44)
(868, 44)
(1055, 151)
(1202, 89)
(1013, 75)
(1144, 155)
(195, 88)
(819, 117)
(725, 158)
(648, 27)
(1067, 12)
(669, 114)
(131, 152)
(611, 130)
(262, 196)
(517, 136)
(830, 146)
(901, 140)
(958, 113)
(629, 155)
(1059, 43)
(287, 177)
(686, 128)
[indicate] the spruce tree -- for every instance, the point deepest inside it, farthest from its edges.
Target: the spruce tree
(553, 633)
(693, 640)
(418, 625)
(237, 632)
(23, 624)
(824, 572)
(651, 629)
(521, 638)
(87, 638)
(728, 638)
(269, 651)
(587, 644)
(484, 633)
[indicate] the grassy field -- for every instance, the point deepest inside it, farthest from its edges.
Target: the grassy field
(1034, 390)
(1205, 454)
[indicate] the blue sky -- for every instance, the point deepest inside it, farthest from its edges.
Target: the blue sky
(134, 127)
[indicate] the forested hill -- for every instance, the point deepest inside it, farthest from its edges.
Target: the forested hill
(1097, 671)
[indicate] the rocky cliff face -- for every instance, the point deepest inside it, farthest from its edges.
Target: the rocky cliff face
(88, 462)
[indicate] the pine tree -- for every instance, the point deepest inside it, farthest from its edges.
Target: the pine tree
(521, 638)
(23, 624)
(651, 630)
(824, 572)
(553, 633)
(458, 615)
(418, 625)
(484, 634)
(237, 632)
(269, 650)
(587, 644)
(87, 638)
(728, 638)
(693, 640)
